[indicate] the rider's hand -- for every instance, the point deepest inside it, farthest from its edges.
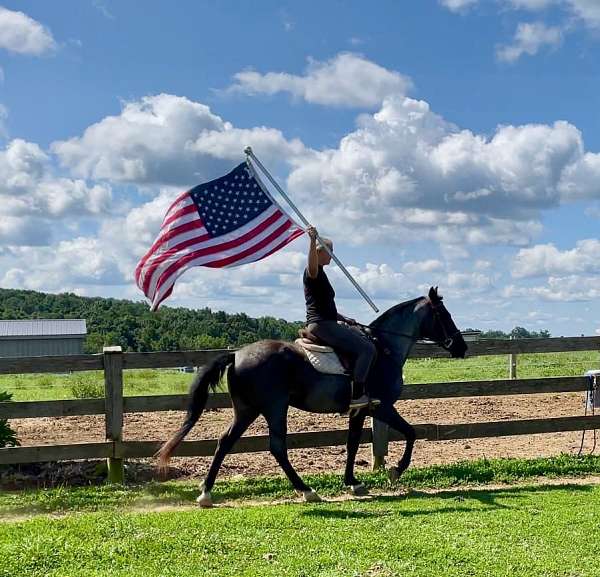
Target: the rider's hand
(312, 232)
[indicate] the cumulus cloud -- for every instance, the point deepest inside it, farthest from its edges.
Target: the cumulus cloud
(546, 259)
(345, 80)
(20, 33)
(28, 186)
(405, 168)
(69, 263)
(31, 195)
(529, 38)
(166, 139)
(570, 288)
(587, 11)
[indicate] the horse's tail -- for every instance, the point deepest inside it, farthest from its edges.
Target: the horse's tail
(207, 378)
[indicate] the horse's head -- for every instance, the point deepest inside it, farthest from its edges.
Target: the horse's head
(439, 327)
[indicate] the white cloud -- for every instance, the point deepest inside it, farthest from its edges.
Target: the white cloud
(20, 33)
(405, 169)
(571, 288)
(587, 10)
(580, 179)
(546, 259)
(345, 80)
(458, 5)
(31, 195)
(166, 139)
(64, 265)
(531, 5)
(429, 265)
(529, 38)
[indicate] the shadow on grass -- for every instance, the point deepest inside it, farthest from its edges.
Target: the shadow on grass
(491, 499)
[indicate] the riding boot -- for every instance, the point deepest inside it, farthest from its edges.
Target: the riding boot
(359, 398)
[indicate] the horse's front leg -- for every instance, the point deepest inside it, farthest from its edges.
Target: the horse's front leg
(388, 414)
(355, 428)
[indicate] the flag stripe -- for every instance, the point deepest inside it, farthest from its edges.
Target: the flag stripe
(184, 196)
(267, 244)
(226, 222)
(189, 209)
(216, 244)
(294, 234)
(197, 234)
(195, 225)
(151, 261)
(174, 261)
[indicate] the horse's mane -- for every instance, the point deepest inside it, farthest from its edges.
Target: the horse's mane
(400, 308)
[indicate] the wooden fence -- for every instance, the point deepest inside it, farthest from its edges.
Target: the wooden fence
(115, 449)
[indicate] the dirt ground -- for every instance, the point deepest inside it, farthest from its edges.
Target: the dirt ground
(158, 426)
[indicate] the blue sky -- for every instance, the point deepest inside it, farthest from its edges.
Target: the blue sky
(450, 142)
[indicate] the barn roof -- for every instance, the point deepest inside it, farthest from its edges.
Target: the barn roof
(42, 328)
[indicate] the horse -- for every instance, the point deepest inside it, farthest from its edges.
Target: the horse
(269, 376)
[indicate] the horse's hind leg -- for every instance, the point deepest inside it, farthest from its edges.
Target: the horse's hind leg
(243, 417)
(389, 415)
(354, 433)
(277, 420)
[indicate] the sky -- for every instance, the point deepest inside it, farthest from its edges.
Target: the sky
(453, 143)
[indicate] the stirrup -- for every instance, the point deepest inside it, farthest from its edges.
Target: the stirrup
(360, 403)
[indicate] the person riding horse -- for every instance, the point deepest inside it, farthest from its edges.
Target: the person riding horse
(323, 320)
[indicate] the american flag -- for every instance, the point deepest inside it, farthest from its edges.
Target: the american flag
(226, 222)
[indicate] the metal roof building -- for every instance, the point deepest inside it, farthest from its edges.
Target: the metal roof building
(42, 337)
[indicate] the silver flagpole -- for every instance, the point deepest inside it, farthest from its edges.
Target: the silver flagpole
(250, 154)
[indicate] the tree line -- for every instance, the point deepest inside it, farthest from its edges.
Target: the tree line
(135, 328)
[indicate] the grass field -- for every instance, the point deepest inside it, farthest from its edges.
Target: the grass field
(524, 531)
(149, 382)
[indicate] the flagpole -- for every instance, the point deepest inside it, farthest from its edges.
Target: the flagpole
(250, 154)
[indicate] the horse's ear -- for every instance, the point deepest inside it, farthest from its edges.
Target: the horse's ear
(433, 295)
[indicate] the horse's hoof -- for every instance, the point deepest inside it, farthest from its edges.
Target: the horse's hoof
(205, 500)
(358, 490)
(393, 474)
(310, 496)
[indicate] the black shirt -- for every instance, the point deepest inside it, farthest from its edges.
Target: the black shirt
(319, 296)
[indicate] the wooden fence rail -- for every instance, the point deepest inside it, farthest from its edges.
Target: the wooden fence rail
(112, 362)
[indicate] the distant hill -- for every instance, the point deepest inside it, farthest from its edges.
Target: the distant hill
(135, 328)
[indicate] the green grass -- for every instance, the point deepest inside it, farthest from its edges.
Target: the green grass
(496, 367)
(43, 387)
(522, 532)
(38, 387)
(107, 497)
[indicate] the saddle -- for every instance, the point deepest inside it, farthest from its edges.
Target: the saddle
(323, 357)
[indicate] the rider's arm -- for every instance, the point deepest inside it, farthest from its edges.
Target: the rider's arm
(313, 259)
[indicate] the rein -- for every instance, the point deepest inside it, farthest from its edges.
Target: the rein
(445, 344)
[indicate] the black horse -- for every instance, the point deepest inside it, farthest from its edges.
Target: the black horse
(267, 377)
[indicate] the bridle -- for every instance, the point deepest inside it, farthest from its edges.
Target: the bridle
(446, 343)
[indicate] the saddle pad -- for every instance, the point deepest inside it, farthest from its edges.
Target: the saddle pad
(310, 346)
(322, 358)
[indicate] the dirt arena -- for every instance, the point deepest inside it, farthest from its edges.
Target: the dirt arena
(154, 426)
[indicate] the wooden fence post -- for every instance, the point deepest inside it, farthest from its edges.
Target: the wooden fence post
(512, 364)
(379, 448)
(113, 395)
